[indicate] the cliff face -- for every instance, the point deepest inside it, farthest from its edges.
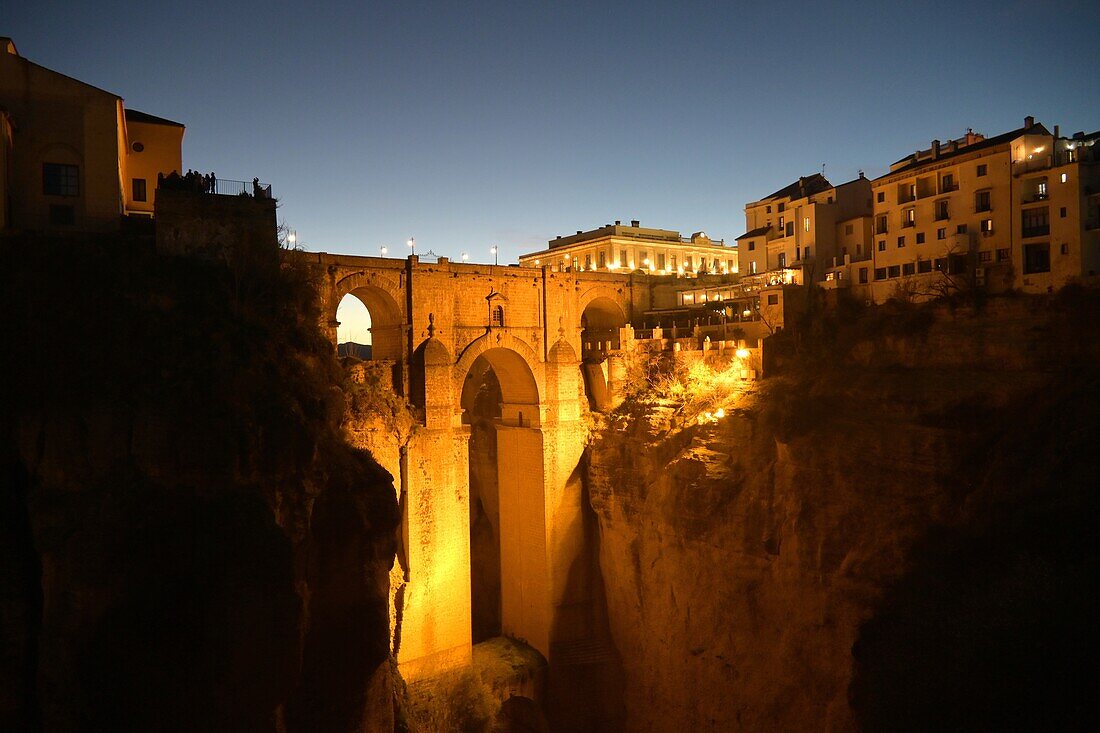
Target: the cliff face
(187, 541)
(891, 535)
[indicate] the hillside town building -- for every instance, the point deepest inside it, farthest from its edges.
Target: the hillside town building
(72, 157)
(620, 248)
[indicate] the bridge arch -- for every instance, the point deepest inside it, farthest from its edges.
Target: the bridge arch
(386, 316)
(601, 319)
(516, 368)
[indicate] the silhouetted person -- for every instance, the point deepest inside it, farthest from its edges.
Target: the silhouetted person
(213, 183)
(256, 191)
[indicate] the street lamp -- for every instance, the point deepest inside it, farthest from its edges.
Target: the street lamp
(465, 256)
(412, 245)
(494, 251)
(383, 249)
(291, 237)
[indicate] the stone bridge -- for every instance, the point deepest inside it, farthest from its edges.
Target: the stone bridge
(490, 357)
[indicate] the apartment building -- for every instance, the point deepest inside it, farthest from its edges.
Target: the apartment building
(979, 211)
(73, 157)
(619, 248)
(807, 231)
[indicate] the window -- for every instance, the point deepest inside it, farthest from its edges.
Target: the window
(59, 179)
(893, 271)
(1036, 258)
(752, 267)
(1065, 248)
(1062, 212)
(880, 224)
(1041, 190)
(622, 258)
(901, 242)
(790, 228)
(863, 276)
(912, 191)
(752, 246)
(941, 233)
(603, 259)
(645, 259)
(781, 225)
(924, 266)
(1035, 222)
(576, 264)
(940, 264)
(947, 182)
(729, 264)
(982, 201)
(139, 189)
(702, 264)
(1065, 177)
(981, 170)
(909, 217)
(498, 316)
(782, 259)
(985, 256)
(805, 223)
(687, 263)
(1002, 255)
(781, 206)
(881, 197)
(588, 262)
(920, 238)
(661, 261)
(941, 210)
(880, 273)
(987, 227)
(806, 254)
(768, 209)
(773, 299)
(908, 268)
(961, 229)
(672, 262)
(62, 216)
(847, 228)
(882, 245)
(859, 249)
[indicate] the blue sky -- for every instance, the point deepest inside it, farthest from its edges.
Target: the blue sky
(469, 124)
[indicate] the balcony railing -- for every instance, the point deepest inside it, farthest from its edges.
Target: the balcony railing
(221, 186)
(1036, 231)
(908, 224)
(949, 187)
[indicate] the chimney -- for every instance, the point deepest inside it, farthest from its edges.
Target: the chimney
(1057, 131)
(580, 232)
(935, 149)
(1029, 121)
(635, 223)
(618, 223)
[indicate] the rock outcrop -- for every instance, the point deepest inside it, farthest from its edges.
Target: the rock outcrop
(891, 535)
(186, 541)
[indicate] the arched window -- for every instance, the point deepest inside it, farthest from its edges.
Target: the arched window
(498, 316)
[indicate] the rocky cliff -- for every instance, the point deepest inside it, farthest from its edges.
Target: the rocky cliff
(895, 532)
(186, 541)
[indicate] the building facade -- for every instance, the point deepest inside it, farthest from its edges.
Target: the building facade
(804, 231)
(1017, 210)
(619, 248)
(73, 157)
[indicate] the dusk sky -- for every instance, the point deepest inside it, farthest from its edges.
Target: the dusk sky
(469, 124)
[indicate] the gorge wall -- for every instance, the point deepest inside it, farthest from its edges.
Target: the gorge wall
(896, 532)
(186, 540)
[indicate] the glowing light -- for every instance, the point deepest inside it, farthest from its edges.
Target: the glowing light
(720, 413)
(384, 250)
(652, 267)
(292, 237)
(746, 313)
(536, 263)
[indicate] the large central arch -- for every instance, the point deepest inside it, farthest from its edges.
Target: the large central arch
(387, 332)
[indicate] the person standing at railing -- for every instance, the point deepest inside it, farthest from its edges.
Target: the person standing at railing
(256, 190)
(213, 183)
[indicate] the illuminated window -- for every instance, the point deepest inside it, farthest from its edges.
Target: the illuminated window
(1065, 177)
(987, 226)
(1041, 190)
(782, 259)
(805, 223)
(781, 227)
(752, 267)
(138, 189)
(576, 263)
(909, 217)
(59, 179)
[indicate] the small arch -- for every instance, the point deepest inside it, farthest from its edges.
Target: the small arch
(377, 319)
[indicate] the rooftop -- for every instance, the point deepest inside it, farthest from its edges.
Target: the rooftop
(132, 115)
(970, 143)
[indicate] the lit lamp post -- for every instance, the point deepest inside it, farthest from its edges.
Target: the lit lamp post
(494, 251)
(383, 249)
(412, 245)
(292, 238)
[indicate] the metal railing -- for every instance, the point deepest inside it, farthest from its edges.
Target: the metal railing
(229, 187)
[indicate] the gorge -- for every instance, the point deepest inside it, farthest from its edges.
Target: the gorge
(890, 531)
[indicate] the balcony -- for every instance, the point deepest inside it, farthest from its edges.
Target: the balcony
(1040, 230)
(908, 224)
(949, 187)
